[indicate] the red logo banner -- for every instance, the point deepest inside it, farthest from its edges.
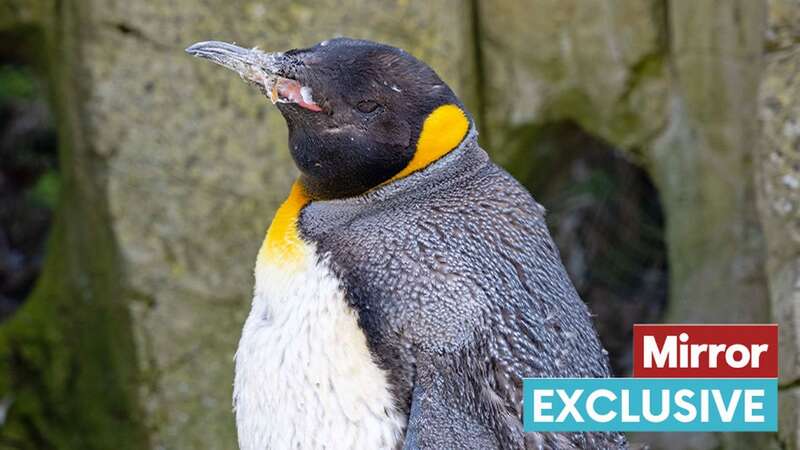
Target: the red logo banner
(705, 351)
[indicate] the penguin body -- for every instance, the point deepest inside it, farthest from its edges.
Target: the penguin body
(408, 284)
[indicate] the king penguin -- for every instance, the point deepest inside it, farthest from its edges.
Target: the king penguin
(407, 284)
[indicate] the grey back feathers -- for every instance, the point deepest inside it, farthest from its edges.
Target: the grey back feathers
(461, 293)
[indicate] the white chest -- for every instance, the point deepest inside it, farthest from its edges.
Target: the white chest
(304, 375)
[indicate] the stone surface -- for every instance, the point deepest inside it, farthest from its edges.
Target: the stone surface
(597, 63)
(702, 164)
(68, 372)
(778, 178)
(15, 13)
(789, 418)
(779, 181)
(675, 86)
(639, 77)
(173, 167)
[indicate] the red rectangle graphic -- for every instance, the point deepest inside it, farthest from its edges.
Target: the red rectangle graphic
(705, 351)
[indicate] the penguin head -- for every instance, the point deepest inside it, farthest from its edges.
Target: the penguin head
(359, 113)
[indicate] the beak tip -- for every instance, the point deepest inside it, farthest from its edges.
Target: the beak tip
(195, 48)
(246, 62)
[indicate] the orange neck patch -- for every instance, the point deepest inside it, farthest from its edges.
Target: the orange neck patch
(442, 131)
(283, 244)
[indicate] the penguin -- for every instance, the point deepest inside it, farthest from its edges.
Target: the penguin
(407, 284)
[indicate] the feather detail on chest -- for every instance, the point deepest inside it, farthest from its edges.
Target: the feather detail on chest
(304, 375)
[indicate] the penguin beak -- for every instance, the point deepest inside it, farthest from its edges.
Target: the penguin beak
(266, 70)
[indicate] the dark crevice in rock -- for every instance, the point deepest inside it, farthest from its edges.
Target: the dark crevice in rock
(650, 64)
(646, 67)
(666, 27)
(789, 386)
(479, 64)
(782, 47)
(136, 33)
(29, 181)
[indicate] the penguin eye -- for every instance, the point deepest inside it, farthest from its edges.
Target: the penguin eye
(367, 106)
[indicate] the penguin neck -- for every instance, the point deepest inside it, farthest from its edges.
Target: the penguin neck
(443, 131)
(463, 161)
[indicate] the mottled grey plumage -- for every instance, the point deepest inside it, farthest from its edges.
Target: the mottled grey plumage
(458, 286)
(461, 293)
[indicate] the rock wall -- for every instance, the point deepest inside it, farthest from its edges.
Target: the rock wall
(778, 174)
(173, 168)
(67, 358)
(673, 85)
(640, 75)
